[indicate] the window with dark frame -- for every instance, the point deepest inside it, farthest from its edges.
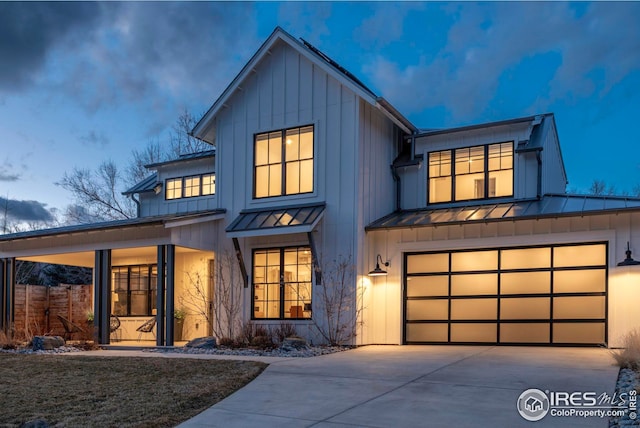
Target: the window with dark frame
(173, 188)
(191, 186)
(134, 290)
(282, 284)
(478, 172)
(283, 162)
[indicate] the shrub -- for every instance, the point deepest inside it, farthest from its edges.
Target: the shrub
(7, 342)
(284, 330)
(227, 342)
(263, 342)
(247, 333)
(629, 355)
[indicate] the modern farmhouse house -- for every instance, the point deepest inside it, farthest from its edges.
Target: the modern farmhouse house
(462, 235)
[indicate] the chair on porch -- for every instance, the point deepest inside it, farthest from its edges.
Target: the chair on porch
(69, 327)
(114, 326)
(147, 327)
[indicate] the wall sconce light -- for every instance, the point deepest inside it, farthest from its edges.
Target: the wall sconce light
(628, 261)
(377, 271)
(157, 188)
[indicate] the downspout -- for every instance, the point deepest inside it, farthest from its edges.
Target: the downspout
(539, 159)
(137, 202)
(396, 179)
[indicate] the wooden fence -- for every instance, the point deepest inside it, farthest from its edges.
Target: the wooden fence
(37, 307)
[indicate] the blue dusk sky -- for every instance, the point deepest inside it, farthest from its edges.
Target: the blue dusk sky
(85, 82)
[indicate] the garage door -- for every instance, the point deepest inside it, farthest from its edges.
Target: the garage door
(555, 295)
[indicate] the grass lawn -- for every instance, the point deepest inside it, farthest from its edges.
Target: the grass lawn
(77, 391)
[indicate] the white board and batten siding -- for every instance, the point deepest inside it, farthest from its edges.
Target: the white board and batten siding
(414, 180)
(152, 204)
(285, 90)
(384, 307)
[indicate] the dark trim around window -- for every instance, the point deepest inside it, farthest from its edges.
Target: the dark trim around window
(183, 182)
(289, 309)
(485, 172)
(283, 161)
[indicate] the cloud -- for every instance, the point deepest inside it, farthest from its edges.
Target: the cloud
(597, 46)
(93, 138)
(29, 30)
(7, 173)
(305, 19)
(385, 25)
(143, 55)
(24, 210)
(148, 53)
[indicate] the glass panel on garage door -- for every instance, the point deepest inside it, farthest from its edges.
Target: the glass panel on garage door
(555, 294)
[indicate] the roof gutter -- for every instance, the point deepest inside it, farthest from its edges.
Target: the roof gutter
(395, 116)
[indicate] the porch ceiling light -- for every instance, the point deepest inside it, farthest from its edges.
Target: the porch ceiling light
(629, 261)
(377, 271)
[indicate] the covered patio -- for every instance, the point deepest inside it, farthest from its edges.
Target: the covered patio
(153, 278)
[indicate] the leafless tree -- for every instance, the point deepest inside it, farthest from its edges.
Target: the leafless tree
(181, 141)
(99, 192)
(136, 171)
(227, 295)
(336, 309)
(197, 297)
(600, 188)
(221, 304)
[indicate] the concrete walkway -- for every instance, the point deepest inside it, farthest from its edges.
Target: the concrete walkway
(413, 386)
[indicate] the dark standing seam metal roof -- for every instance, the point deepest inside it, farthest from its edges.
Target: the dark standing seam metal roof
(276, 218)
(549, 206)
(184, 158)
(106, 225)
(146, 185)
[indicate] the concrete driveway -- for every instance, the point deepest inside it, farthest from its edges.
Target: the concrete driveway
(413, 386)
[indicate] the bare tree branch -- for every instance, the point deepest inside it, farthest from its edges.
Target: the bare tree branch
(98, 192)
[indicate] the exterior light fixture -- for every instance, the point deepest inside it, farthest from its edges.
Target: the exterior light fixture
(377, 271)
(629, 261)
(157, 188)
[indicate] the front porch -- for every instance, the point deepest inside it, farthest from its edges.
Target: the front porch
(146, 290)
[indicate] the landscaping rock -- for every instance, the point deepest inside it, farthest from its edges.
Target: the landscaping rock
(36, 423)
(294, 343)
(208, 342)
(46, 343)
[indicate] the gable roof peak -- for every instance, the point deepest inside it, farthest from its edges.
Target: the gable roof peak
(205, 128)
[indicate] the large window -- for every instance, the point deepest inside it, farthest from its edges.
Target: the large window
(471, 173)
(134, 290)
(192, 186)
(282, 283)
(283, 162)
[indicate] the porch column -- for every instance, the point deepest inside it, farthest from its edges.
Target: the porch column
(9, 274)
(160, 288)
(170, 284)
(2, 292)
(102, 295)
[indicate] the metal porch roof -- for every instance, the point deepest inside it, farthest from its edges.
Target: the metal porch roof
(106, 225)
(274, 221)
(550, 206)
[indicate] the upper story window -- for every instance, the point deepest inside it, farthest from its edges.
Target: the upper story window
(477, 172)
(189, 187)
(283, 162)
